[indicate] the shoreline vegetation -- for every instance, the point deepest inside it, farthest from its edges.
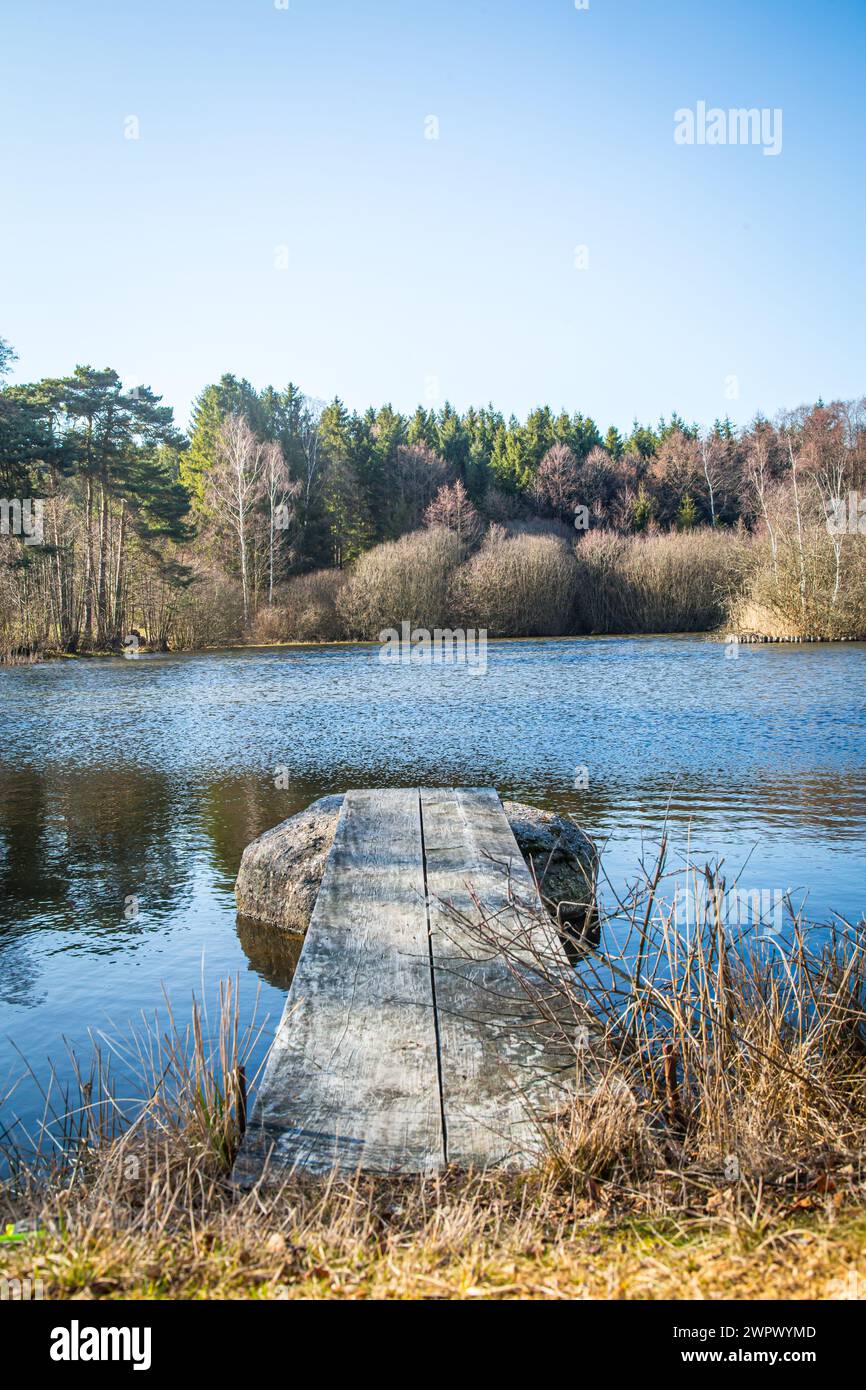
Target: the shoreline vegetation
(745, 638)
(282, 519)
(713, 1148)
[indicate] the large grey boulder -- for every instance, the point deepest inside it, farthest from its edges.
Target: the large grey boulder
(281, 871)
(565, 862)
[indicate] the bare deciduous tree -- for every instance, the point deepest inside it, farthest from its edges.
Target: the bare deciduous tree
(452, 508)
(234, 485)
(556, 485)
(674, 473)
(794, 460)
(758, 465)
(281, 494)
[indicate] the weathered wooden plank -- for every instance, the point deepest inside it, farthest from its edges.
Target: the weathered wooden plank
(504, 1066)
(352, 1078)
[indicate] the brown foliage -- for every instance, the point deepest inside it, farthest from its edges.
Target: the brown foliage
(304, 610)
(657, 583)
(419, 474)
(453, 509)
(520, 586)
(675, 472)
(405, 580)
(556, 487)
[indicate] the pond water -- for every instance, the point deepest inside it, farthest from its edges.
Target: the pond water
(129, 788)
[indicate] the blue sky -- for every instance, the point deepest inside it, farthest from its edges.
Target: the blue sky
(422, 268)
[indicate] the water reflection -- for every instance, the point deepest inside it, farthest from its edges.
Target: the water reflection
(272, 953)
(81, 845)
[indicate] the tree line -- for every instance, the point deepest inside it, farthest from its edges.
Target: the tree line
(145, 528)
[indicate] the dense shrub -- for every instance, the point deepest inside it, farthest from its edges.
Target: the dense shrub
(268, 625)
(210, 614)
(528, 579)
(305, 610)
(659, 583)
(311, 604)
(805, 583)
(600, 563)
(404, 580)
(520, 586)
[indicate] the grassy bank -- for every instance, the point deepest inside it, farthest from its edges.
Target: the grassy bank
(712, 1147)
(458, 1239)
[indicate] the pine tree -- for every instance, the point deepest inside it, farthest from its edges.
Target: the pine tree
(207, 417)
(613, 443)
(422, 428)
(642, 511)
(687, 513)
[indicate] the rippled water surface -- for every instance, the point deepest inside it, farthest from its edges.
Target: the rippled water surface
(131, 783)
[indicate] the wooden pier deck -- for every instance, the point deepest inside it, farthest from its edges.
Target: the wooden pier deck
(407, 1042)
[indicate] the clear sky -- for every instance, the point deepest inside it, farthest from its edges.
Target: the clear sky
(417, 267)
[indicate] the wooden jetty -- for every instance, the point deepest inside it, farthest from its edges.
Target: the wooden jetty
(408, 1041)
